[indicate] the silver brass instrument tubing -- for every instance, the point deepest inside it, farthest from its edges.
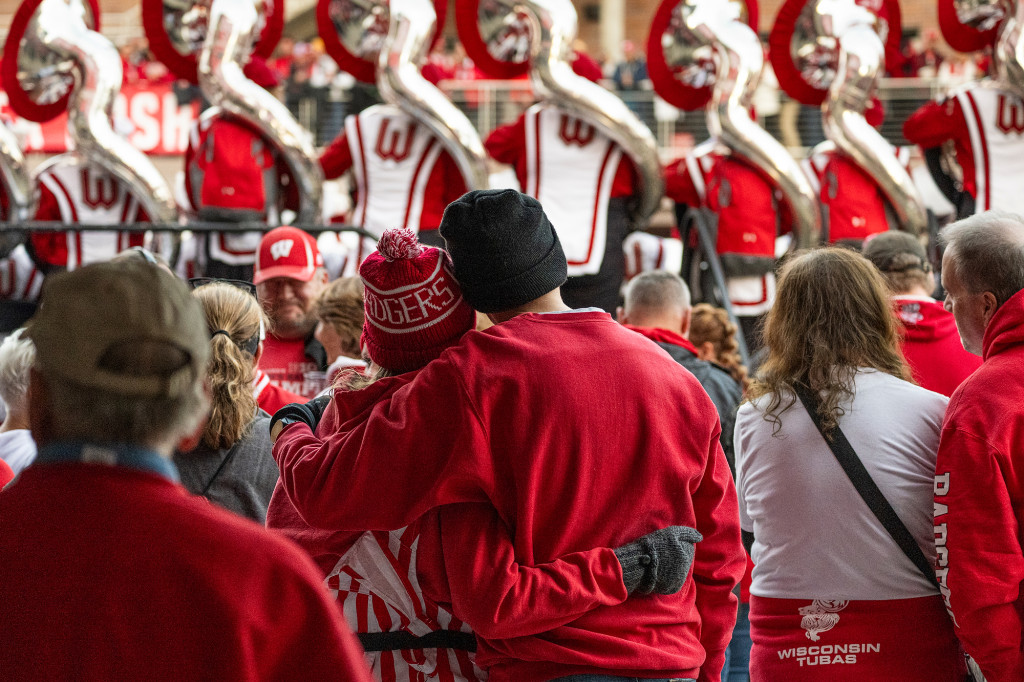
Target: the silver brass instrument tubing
(58, 26)
(861, 63)
(739, 60)
(14, 176)
(1009, 51)
(553, 28)
(231, 35)
(411, 32)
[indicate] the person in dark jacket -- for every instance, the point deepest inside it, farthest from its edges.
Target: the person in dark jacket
(657, 305)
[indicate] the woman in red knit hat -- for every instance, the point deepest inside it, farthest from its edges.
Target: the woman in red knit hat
(393, 586)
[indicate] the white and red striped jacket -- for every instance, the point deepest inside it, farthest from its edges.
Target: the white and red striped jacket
(377, 587)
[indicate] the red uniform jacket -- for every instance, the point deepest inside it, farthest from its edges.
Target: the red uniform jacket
(979, 500)
(525, 406)
(507, 144)
(747, 204)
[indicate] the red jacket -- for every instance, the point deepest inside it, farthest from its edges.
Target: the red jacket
(979, 501)
(932, 345)
(853, 200)
(6, 475)
(525, 407)
(466, 544)
(116, 573)
(748, 206)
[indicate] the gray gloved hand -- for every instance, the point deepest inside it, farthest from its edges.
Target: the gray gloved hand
(659, 562)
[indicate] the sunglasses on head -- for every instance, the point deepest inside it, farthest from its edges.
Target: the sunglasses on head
(248, 287)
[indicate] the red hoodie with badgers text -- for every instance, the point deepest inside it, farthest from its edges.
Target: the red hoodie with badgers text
(979, 501)
(932, 345)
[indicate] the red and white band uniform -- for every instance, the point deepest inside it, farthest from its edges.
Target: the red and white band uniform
(751, 214)
(20, 279)
(404, 580)
(850, 196)
(645, 251)
(986, 125)
(576, 171)
(84, 194)
(833, 596)
(402, 174)
(233, 174)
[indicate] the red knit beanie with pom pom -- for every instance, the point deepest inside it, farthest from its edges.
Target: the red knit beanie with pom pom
(414, 307)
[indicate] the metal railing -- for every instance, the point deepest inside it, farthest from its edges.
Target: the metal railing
(490, 103)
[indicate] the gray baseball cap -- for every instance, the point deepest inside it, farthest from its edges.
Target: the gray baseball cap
(98, 309)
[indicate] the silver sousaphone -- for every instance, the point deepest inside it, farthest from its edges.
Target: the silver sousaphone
(387, 43)
(551, 25)
(837, 50)
(15, 179)
(728, 59)
(231, 32)
(55, 59)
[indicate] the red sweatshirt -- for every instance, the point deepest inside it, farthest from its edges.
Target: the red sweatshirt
(932, 345)
(115, 573)
(979, 501)
(470, 543)
(527, 408)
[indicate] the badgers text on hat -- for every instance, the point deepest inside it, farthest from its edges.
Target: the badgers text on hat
(412, 307)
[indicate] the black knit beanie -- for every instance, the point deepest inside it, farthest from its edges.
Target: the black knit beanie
(505, 250)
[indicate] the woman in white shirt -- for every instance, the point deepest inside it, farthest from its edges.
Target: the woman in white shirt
(833, 596)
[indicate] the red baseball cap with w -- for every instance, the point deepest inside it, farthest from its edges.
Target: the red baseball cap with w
(287, 252)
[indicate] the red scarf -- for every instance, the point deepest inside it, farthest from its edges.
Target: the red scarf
(664, 336)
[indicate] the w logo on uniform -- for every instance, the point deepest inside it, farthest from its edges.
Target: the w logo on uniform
(399, 145)
(281, 249)
(1010, 115)
(575, 131)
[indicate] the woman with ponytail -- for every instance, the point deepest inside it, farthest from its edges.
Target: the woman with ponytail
(231, 465)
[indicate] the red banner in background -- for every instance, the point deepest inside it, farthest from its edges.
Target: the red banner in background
(149, 116)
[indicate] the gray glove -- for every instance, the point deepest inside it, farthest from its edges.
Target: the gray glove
(659, 562)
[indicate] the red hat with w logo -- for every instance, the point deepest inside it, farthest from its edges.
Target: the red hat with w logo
(287, 252)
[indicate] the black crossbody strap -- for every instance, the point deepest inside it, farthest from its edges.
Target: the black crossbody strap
(865, 485)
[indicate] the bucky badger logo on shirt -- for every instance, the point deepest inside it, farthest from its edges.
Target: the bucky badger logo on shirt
(821, 616)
